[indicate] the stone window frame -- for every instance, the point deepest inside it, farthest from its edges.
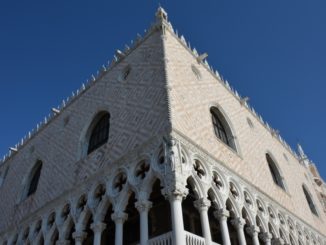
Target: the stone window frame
(34, 172)
(275, 171)
(310, 201)
(225, 122)
(3, 175)
(87, 131)
(250, 123)
(196, 72)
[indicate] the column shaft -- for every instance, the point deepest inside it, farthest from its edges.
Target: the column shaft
(98, 228)
(202, 205)
(238, 223)
(143, 208)
(225, 231)
(177, 221)
(119, 218)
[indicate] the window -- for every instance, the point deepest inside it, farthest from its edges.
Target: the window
(285, 157)
(221, 128)
(196, 72)
(309, 200)
(125, 73)
(34, 178)
(250, 123)
(3, 175)
(100, 132)
(275, 172)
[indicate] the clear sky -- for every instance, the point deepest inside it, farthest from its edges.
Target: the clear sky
(272, 51)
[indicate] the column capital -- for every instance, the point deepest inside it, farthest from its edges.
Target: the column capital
(252, 230)
(143, 205)
(178, 194)
(202, 204)
(62, 242)
(222, 214)
(98, 227)
(266, 236)
(119, 216)
(238, 223)
(79, 236)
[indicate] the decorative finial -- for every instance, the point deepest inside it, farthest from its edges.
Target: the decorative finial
(301, 152)
(161, 14)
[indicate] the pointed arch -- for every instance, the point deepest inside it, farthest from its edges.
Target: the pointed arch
(283, 235)
(275, 172)
(191, 216)
(159, 216)
(310, 202)
(261, 224)
(131, 227)
(216, 198)
(247, 216)
(95, 134)
(32, 180)
(272, 230)
(98, 133)
(222, 128)
(196, 187)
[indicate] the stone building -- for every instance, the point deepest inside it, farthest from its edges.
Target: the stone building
(158, 149)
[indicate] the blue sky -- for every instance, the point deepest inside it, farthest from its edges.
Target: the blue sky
(272, 51)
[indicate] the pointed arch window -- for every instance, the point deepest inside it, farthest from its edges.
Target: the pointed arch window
(309, 200)
(275, 172)
(221, 128)
(100, 132)
(34, 178)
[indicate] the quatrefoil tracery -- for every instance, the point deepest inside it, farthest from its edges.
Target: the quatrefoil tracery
(120, 181)
(142, 169)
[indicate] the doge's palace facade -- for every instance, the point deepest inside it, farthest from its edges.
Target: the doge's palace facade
(158, 149)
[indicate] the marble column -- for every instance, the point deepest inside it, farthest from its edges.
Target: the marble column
(119, 218)
(222, 216)
(98, 228)
(143, 208)
(253, 231)
(178, 233)
(203, 205)
(239, 223)
(79, 237)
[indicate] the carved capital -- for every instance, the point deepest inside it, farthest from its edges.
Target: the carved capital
(143, 206)
(202, 204)
(79, 236)
(278, 241)
(119, 217)
(238, 223)
(222, 214)
(98, 227)
(178, 193)
(266, 236)
(252, 230)
(62, 242)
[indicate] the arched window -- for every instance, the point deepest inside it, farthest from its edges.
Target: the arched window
(309, 200)
(3, 175)
(221, 128)
(100, 132)
(275, 172)
(34, 178)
